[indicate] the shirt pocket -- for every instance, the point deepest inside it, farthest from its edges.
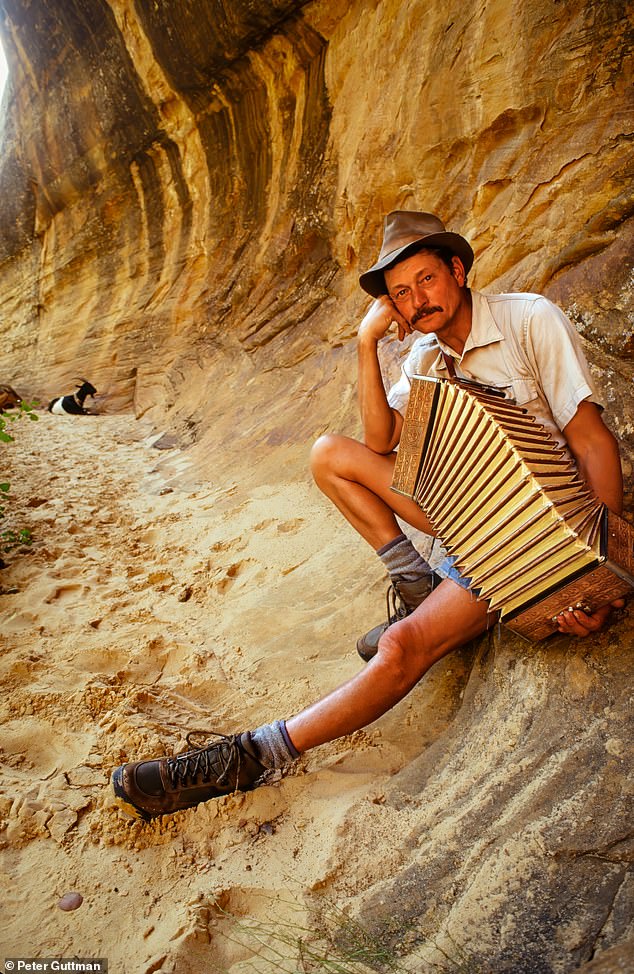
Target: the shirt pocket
(523, 391)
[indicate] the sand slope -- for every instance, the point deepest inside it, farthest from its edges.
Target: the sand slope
(139, 613)
(483, 824)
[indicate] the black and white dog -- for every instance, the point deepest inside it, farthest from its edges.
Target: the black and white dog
(73, 405)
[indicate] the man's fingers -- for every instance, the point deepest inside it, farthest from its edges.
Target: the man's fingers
(380, 318)
(574, 622)
(403, 329)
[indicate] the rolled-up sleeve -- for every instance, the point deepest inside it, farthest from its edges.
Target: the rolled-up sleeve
(554, 346)
(398, 396)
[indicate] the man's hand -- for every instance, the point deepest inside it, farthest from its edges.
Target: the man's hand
(575, 622)
(379, 319)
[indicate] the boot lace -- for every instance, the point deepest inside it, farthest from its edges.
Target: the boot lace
(397, 607)
(211, 764)
(395, 604)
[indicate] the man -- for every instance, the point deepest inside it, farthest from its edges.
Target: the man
(522, 344)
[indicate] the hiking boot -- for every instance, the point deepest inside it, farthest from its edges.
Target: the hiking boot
(146, 789)
(402, 598)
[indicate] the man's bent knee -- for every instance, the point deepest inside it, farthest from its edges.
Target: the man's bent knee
(327, 453)
(405, 663)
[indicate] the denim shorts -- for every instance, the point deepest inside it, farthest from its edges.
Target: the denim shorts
(447, 569)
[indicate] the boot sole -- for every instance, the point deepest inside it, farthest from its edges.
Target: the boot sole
(365, 655)
(123, 803)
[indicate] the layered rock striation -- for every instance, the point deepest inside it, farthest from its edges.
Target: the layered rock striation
(190, 184)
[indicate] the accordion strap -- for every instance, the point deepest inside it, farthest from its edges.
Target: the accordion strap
(451, 368)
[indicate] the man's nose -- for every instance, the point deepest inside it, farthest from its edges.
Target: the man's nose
(419, 296)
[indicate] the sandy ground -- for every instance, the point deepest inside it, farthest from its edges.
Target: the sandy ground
(141, 612)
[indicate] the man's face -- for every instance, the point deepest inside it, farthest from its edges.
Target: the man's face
(426, 292)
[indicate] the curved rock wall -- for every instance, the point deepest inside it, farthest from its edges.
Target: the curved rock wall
(154, 187)
(190, 184)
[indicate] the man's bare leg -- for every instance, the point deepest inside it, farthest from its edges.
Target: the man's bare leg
(447, 619)
(357, 480)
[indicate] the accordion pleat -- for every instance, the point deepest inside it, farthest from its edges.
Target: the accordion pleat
(501, 494)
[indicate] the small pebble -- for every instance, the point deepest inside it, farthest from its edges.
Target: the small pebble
(70, 901)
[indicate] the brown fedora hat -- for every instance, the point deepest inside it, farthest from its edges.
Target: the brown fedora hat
(404, 231)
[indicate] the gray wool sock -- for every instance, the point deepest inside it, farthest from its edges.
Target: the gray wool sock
(274, 746)
(401, 558)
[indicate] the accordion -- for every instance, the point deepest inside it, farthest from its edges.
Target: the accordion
(504, 499)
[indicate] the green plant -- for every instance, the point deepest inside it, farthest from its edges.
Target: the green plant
(24, 409)
(10, 538)
(334, 943)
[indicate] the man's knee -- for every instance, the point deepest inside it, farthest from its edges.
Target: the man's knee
(448, 618)
(405, 659)
(326, 455)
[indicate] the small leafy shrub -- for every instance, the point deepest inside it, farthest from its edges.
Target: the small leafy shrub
(24, 409)
(10, 538)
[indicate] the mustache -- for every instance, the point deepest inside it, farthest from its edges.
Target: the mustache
(423, 313)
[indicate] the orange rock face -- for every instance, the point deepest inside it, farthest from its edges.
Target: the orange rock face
(190, 191)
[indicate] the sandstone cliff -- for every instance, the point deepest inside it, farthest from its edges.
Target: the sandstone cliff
(189, 192)
(190, 186)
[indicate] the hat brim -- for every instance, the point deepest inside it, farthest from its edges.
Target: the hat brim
(373, 281)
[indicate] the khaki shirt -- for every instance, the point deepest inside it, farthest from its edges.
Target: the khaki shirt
(522, 344)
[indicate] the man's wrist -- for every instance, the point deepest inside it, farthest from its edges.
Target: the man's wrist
(368, 338)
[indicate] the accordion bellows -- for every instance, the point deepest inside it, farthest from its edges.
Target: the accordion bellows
(504, 499)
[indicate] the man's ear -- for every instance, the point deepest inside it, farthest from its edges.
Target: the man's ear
(458, 271)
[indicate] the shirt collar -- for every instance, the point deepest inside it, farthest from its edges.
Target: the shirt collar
(484, 330)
